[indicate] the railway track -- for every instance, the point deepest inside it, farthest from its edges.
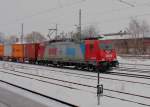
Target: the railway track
(134, 64)
(93, 77)
(128, 75)
(110, 72)
(37, 93)
(14, 72)
(77, 74)
(60, 80)
(136, 70)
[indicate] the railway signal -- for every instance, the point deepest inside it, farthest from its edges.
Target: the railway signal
(99, 87)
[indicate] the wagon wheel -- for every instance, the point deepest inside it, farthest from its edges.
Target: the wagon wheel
(91, 68)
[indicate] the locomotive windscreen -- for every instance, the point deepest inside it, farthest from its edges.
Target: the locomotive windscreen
(105, 46)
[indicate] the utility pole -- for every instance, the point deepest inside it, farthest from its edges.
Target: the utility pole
(22, 28)
(80, 23)
(22, 25)
(56, 29)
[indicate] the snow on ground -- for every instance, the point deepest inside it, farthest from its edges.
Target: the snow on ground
(133, 60)
(81, 98)
(3, 105)
(11, 96)
(111, 84)
(85, 97)
(135, 65)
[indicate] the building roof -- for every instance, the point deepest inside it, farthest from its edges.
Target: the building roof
(113, 36)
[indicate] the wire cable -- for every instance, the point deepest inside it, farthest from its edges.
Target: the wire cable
(44, 12)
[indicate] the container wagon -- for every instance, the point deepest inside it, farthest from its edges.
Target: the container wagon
(1, 51)
(18, 52)
(31, 52)
(7, 52)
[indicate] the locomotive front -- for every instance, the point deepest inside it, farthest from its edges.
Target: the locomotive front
(107, 56)
(101, 54)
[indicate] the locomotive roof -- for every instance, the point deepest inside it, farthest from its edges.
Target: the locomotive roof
(61, 40)
(73, 40)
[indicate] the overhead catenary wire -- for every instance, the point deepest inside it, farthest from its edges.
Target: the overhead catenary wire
(67, 5)
(74, 3)
(127, 3)
(121, 9)
(123, 18)
(117, 19)
(43, 12)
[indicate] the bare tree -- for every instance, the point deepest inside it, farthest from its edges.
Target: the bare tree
(34, 37)
(145, 28)
(90, 31)
(11, 39)
(2, 39)
(138, 29)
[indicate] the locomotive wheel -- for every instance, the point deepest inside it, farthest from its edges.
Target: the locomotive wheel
(75, 67)
(61, 65)
(78, 67)
(90, 68)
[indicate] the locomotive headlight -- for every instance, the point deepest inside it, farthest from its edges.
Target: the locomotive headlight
(108, 55)
(103, 59)
(115, 59)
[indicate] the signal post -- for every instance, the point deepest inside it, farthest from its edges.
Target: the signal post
(99, 86)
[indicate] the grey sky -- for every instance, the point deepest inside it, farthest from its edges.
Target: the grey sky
(39, 15)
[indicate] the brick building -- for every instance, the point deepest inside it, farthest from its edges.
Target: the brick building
(127, 44)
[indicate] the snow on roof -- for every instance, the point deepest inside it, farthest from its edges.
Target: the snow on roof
(124, 36)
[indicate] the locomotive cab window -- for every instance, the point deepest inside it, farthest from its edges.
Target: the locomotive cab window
(91, 46)
(105, 46)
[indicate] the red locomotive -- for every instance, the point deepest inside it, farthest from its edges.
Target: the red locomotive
(101, 52)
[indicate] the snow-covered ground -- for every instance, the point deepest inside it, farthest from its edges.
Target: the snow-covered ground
(133, 60)
(79, 95)
(11, 96)
(135, 65)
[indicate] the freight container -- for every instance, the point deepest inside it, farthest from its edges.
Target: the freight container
(31, 52)
(7, 51)
(1, 51)
(18, 52)
(41, 51)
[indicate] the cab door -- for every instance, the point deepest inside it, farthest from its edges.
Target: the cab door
(91, 50)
